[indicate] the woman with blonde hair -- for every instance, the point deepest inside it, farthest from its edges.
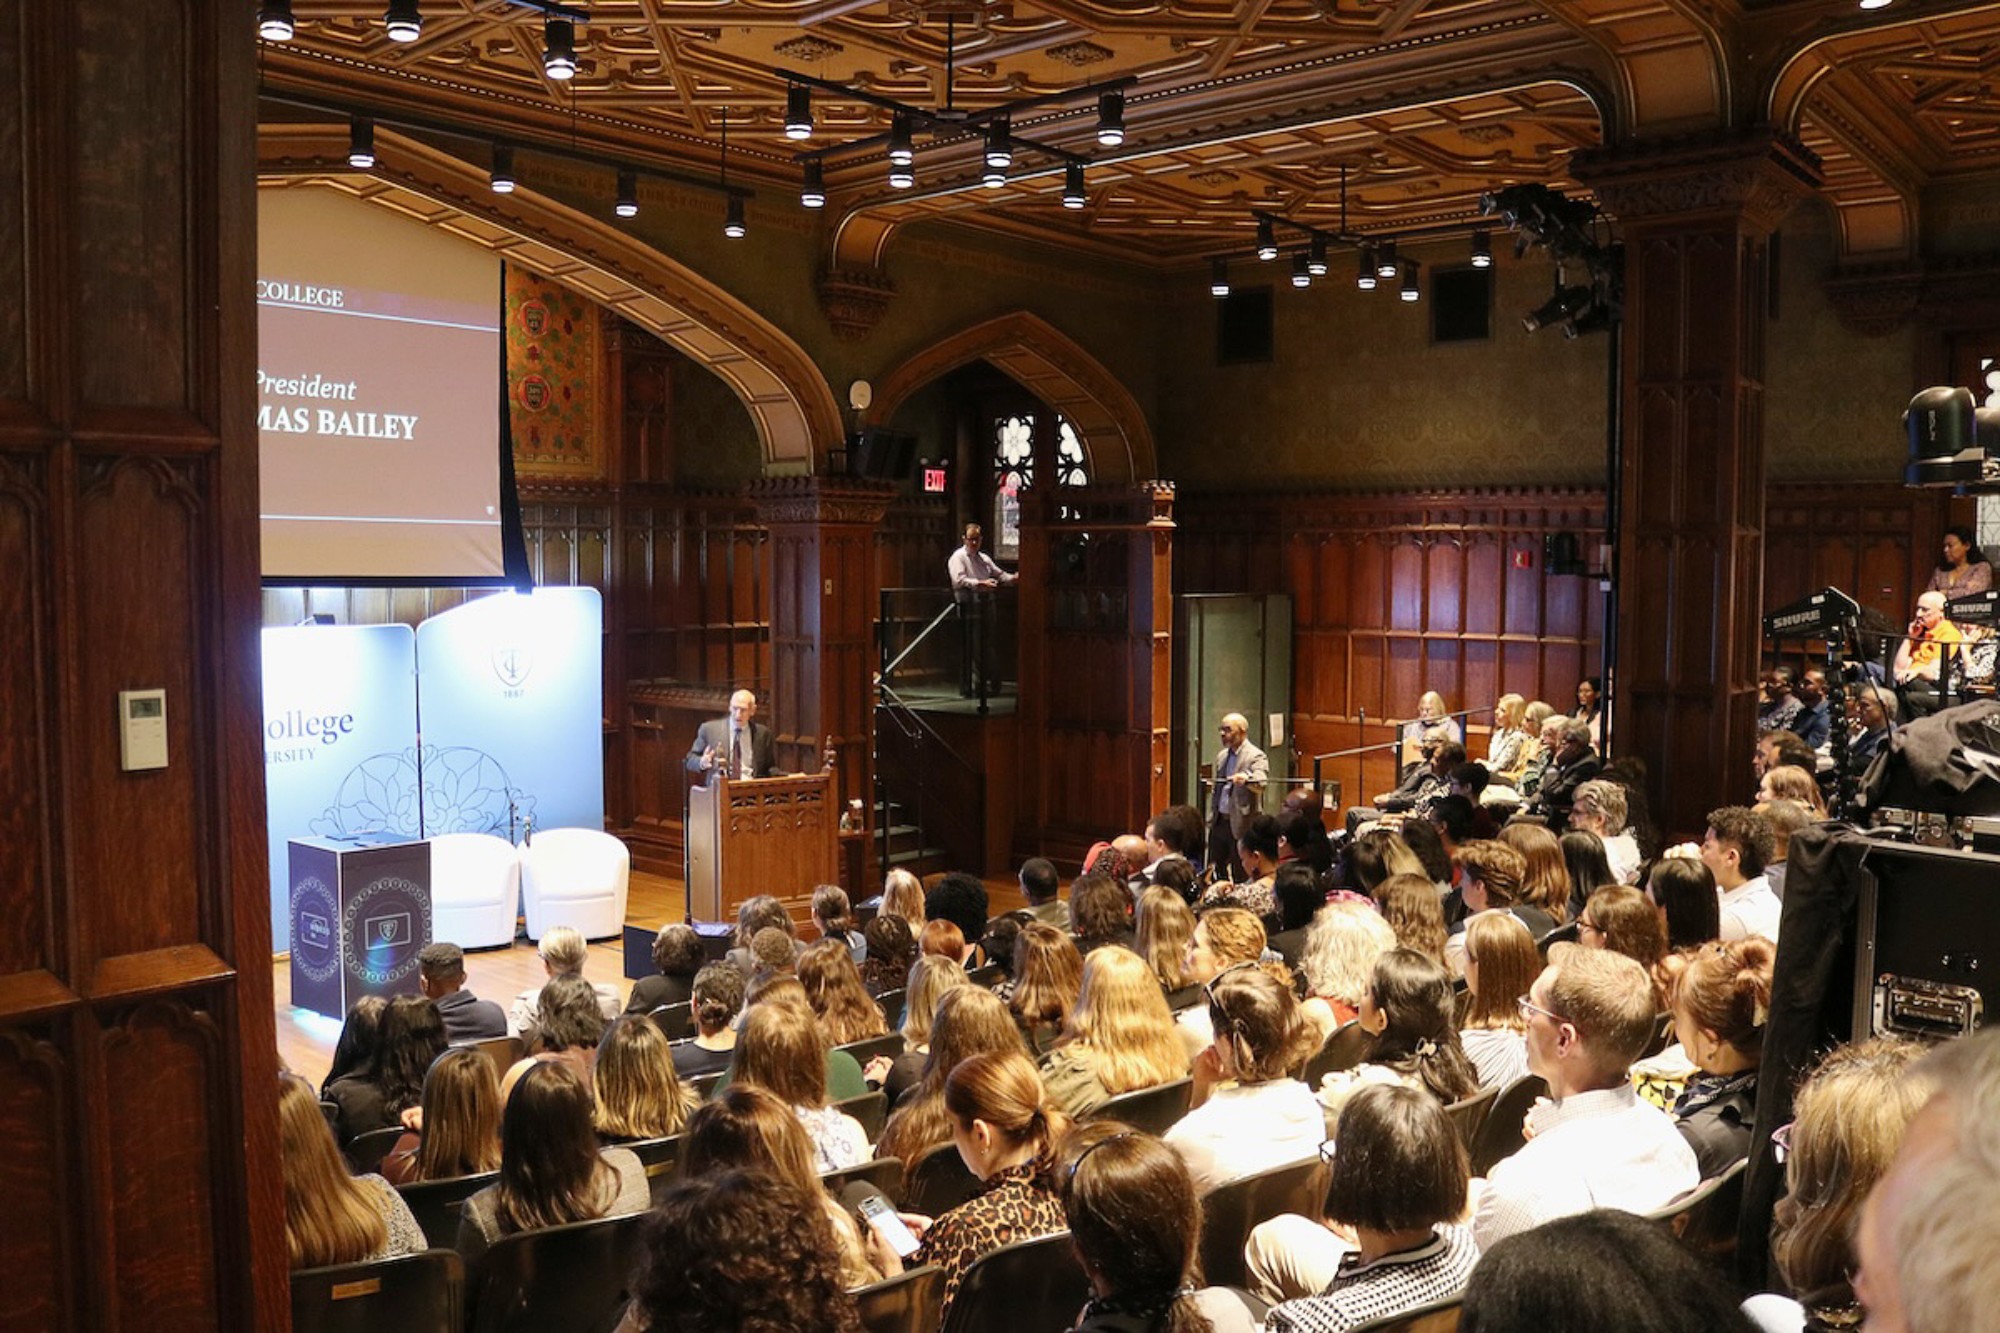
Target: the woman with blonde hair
(971, 1020)
(1507, 747)
(750, 1129)
(330, 1216)
(1121, 1036)
(1165, 928)
(1342, 944)
(460, 1121)
(1009, 1134)
(1545, 884)
(833, 988)
(1410, 904)
(638, 1094)
(1048, 972)
(1501, 963)
(783, 1051)
(903, 896)
(1789, 782)
(930, 977)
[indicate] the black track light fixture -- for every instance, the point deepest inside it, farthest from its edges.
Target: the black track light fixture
(628, 195)
(360, 143)
(1364, 278)
(1385, 260)
(1301, 274)
(1218, 278)
(1267, 240)
(999, 144)
(1316, 257)
(275, 22)
(798, 112)
(502, 177)
(902, 145)
(812, 192)
(404, 21)
(1411, 290)
(1482, 249)
(559, 49)
(732, 221)
(1111, 119)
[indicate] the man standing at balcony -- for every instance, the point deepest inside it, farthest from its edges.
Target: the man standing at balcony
(974, 576)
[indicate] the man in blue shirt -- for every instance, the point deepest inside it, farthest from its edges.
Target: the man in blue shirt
(1813, 717)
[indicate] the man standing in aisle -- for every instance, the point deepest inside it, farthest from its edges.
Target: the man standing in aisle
(736, 745)
(974, 576)
(1241, 771)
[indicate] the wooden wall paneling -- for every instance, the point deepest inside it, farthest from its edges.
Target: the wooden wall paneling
(36, 1108)
(27, 684)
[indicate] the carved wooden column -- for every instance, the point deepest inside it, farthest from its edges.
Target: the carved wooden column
(1096, 630)
(824, 590)
(1696, 216)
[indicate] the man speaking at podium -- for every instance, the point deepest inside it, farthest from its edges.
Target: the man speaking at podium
(734, 745)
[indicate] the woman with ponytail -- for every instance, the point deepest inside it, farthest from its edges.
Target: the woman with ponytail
(1721, 997)
(1134, 1222)
(1008, 1133)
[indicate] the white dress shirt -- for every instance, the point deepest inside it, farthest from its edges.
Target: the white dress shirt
(1750, 909)
(970, 568)
(1604, 1149)
(1240, 1131)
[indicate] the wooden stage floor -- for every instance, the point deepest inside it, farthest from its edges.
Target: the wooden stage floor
(306, 1039)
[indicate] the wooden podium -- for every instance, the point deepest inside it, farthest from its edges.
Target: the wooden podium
(765, 835)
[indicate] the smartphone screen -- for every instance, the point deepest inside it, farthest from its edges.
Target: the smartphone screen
(878, 1214)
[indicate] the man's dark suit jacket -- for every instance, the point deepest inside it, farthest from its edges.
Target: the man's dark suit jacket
(763, 752)
(1558, 789)
(469, 1018)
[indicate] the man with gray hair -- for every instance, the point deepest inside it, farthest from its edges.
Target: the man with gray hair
(1575, 764)
(1600, 807)
(1241, 770)
(564, 953)
(1921, 1244)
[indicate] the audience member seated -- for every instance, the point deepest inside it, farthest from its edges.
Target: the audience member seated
(441, 978)
(1735, 848)
(1814, 724)
(1508, 750)
(1623, 921)
(1682, 889)
(1545, 875)
(1298, 893)
(330, 1216)
(1135, 852)
(1548, 734)
(1224, 938)
(1781, 749)
(1413, 911)
(970, 1021)
(1964, 569)
(1182, 877)
(941, 939)
(571, 1025)
(1592, 1142)
(833, 988)
(1434, 782)
(412, 1035)
(761, 912)
(1428, 847)
(1918, 669)
(1588, 869)
(1493, 873)
(1101, 908)
(1121, 1037)
(1601, 808)
(1408, 1006)
(1342, 944)
(1779, 708)
(1451, 819)
(638, 1094)
(1785, 817)
(457, 1127)
(1041, 888)
(718, 998)
(1721, 996)
(1248, 1113)
(563, 952)
(1433, 714)
(1134, 1222)
(773, 953)
(1174, 835)
(1165, 929)
(1574, 764)
(783, 1051)
(1594, 1272)
(677, 956)
(1048, 972)
(551, 1169)
(1008, 1134)
(1590, 707)
(1257, 848)
(1308, 839)
(1391, 1236)
(929, 979)
(360, 1042)
(1874, 710)
(961, 899)
(903, 896)
(738, 1250)
(833, 917)
(1373, 856)
(1002, 941)
(749, 1129)
(1501, 964)
(1467, 783)
(892, 950)
(1847, 1119)
(1789, 782)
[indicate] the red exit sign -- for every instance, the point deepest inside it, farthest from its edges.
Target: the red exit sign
(934, 481)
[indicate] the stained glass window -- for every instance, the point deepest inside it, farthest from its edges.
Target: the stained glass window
(1014, 472)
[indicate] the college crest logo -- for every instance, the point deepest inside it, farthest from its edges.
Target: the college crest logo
(512, 663)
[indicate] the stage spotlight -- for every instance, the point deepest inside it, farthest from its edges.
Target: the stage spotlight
(1593, 320)
(559, 59)
(1316, 259)
(999, 149)
(404, 22)
(1411, 291)
(1218, 277)
(798, 112)
(1364, 277)
(1073, 195)
(1385, 260)
(1874, 4)
(628, 195)
(812, 193)
(503, 169)
(274, 21)
(1111, 119)
(1482, 249)
(1267, 240)
(360, 143)
(1566, 304)
(1301, 273)
(902, 151)
(732, 224)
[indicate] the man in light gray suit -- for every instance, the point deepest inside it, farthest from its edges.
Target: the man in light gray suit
(1241, 770)
(734, 745)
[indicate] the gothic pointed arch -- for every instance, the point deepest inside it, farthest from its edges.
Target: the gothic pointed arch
(796, 415)
(1056, 369)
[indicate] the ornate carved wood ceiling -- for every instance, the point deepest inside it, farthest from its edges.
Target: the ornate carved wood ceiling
(1424, 103)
